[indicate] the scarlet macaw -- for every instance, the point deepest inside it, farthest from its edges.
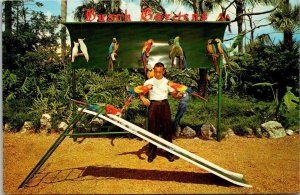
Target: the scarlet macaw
(142, 89)
(100, 108)
(146, 52)
(212, 50)
(110, 109)
(177, 51)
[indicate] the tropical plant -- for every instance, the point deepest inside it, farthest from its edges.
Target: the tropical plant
(100, 7)
(286, 19)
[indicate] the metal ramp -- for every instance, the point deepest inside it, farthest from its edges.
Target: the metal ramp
(232, 177)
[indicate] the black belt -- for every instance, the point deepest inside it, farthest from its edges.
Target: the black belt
(165, 100)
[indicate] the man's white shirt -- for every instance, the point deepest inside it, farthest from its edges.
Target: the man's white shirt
(160, 88)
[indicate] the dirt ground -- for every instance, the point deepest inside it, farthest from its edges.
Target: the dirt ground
(110, 166)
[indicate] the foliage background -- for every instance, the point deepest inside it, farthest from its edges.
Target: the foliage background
(261, 83)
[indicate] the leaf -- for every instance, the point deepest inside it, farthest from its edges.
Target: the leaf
(290, 100)
(232, 81)
(234, 64)
(237, 41)
(264, 84)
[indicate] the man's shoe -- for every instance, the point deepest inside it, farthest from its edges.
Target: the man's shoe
(170, 157)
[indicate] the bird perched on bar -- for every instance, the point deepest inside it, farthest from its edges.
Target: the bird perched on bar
(212, 50)
(84, 49)
(146, 53)
(177, 51)
(112, 53)
(113, 48)
(221, 48)
(75, 51)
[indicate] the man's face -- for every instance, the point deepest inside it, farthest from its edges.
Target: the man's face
(159, 72)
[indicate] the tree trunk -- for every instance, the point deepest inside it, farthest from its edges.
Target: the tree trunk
(239, 11)
(63, 29)
(202, 82)
(203, 73)
(288, 34)
(8, 16)
(288, 39)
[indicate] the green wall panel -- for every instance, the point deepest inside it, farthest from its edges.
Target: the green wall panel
(132, 35)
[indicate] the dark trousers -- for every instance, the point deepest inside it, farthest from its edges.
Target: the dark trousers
(159, 117)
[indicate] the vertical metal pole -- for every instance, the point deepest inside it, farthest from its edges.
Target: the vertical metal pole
(74, 98)
(219, 99)
(51, 149)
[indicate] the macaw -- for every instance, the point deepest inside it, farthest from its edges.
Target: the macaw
(224, 17)
(171, 42)
(97, 107)
(177, 51)
(112, 53)
(182, 88)
(100, 108)
(180, 110)
(142, 89)
(150, 72)
(212, 50)
(221, 48)
(146, 52)
(136, 90)
(110, 109)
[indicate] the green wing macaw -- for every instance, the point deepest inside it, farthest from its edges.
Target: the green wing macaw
(222, 49)
(177, 51)
(212, 50)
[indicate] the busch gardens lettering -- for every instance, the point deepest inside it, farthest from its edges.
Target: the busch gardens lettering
(146, 15)
(90, 16)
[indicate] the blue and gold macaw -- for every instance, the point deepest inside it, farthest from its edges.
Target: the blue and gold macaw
(177, 51)
(212, 50)
(180, 110)
(112, 53)
(222, 49)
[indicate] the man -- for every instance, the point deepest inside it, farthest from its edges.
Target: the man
(159, 114)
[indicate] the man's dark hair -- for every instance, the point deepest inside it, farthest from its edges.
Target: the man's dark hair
(159, 64)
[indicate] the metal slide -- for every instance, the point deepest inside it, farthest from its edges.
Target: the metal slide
(232, 177)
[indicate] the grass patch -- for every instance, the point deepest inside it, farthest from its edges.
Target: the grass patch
(238, 114)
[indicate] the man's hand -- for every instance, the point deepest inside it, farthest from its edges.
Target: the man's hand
(177, 95)
(145, 101)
